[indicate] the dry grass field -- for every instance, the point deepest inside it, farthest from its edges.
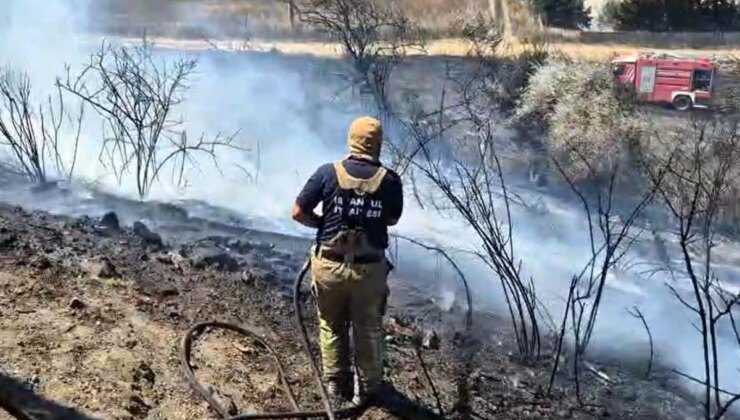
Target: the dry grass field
(605, 52)
(263, 18)
(264, 25)
(443, 47)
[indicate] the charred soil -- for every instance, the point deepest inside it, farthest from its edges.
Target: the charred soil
(91, 317)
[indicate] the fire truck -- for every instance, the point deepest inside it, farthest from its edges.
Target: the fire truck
(682, 82)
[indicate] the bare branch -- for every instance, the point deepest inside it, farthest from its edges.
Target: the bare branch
(37, 134)
(136, 95)
(468, 296)
(635, 311)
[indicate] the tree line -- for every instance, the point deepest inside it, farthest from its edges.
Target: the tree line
(644, 15)
(672, 15)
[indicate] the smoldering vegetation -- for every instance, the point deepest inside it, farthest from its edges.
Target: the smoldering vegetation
(577, 204)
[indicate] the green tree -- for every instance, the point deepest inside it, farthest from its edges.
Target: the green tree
(563, 13)
(719, 15)
(680, 14)
(672, 15)
(633, 15)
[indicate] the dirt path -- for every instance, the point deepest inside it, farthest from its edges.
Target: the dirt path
(91, 318)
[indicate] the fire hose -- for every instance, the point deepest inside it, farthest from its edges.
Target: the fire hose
(327, 413)
(15, 408)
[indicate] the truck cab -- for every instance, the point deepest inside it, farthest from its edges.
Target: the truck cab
(624, 70)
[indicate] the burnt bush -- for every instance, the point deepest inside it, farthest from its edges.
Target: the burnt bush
(137, 96)
(39, 136)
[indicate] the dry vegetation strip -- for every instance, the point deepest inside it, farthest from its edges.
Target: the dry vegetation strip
(444, 47)
(604, 52)
(267, 26)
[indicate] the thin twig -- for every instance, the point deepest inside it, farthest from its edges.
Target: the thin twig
(423, 364)
(469, 314)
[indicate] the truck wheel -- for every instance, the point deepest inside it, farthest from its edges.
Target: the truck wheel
(682, 103)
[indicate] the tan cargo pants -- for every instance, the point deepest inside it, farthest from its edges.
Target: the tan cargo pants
(351, 295)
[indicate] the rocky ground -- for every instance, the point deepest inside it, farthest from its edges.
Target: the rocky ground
(91, 317)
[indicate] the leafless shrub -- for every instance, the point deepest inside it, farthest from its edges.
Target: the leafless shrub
(465, 170)
(470, 178)
(453, 147)
(612, 218)
(136, 95)
(449, 144)
(37, 134)
(703, 162)
(597, 140)
(376, 35)
(594, 138)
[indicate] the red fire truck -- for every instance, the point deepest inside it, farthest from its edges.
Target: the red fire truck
(682, 82)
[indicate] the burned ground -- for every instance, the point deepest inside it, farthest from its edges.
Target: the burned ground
(91, 318)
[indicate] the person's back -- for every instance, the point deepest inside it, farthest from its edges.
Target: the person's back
(360, 199)
(379, 207)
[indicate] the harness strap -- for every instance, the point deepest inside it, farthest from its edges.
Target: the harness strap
(367, 186)
(356, 203)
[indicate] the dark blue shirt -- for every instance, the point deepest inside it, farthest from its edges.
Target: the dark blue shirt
(323, 187)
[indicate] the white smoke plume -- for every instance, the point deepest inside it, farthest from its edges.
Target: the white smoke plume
(283, 107)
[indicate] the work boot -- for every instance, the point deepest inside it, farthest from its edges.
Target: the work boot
(366, 393)
(338, 393)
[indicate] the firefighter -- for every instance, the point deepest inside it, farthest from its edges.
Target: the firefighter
(359, 199)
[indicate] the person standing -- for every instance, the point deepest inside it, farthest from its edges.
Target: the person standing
(360, 199)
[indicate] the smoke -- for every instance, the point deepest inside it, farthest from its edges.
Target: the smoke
(41, 36)
(290, 121)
